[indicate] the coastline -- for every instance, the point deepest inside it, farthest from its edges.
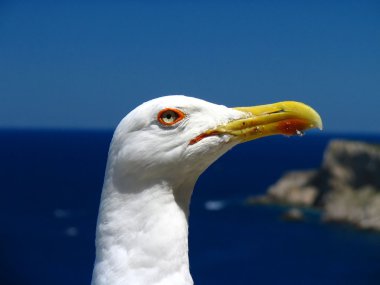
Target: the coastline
(346, 187)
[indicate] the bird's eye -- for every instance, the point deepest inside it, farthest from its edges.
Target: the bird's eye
(170, 116)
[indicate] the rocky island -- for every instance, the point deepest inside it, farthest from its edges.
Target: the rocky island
(346, 187)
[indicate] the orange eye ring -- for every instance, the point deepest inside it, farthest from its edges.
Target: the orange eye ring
(170, 116)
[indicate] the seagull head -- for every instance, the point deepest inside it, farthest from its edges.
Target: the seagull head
(176, 136)
(157, 153)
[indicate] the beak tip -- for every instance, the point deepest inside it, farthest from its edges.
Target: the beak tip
(319, 123)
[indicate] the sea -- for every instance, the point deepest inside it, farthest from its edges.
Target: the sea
(51, 182)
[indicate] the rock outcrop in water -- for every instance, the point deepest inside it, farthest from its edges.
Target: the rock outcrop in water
(346, 187)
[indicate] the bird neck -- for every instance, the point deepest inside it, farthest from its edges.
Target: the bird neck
(142, 234)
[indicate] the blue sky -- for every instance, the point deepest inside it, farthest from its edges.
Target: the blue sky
(85, 64)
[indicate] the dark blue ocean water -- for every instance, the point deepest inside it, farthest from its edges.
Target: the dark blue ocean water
(50, 189)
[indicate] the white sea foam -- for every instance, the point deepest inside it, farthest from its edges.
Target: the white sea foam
(215, 205)
(60, 213)
(71, 231)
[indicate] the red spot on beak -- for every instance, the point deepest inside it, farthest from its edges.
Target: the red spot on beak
(292, 126)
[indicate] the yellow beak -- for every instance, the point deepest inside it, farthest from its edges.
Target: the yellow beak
(287, 118)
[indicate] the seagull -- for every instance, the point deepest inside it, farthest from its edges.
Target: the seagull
(157, 153)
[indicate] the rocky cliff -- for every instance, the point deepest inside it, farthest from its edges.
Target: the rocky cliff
(346, 187)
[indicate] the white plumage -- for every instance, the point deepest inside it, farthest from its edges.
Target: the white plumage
(157, 153)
